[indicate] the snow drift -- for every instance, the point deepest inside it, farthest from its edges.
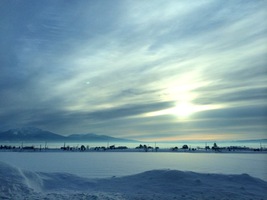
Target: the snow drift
(156, 184)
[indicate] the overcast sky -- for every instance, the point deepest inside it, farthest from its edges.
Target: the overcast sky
(148, 70)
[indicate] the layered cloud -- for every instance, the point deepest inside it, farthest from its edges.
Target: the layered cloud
(142, 70)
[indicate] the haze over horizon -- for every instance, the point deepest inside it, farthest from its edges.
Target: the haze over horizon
(167, 70)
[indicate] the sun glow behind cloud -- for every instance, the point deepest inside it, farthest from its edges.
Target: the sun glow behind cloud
(183, 110)
(181, 92)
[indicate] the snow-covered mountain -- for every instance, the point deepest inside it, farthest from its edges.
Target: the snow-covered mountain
(29, 134)
(35, 134)
(95, 137)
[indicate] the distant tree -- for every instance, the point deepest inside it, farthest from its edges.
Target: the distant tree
(140, 147)
(122, 147)
(174, 148)
(83, 148)
(185, 146)
(145, 148)
(215, 147)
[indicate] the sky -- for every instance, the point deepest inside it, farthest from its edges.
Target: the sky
(147, 70)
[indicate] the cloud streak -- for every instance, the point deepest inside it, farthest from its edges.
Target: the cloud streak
(103, 66)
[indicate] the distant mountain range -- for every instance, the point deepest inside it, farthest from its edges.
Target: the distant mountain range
(31, 134)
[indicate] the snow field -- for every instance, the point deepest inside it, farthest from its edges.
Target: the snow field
(154, 184)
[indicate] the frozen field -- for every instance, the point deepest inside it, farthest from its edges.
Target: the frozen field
(109, 164)
(18, 184)
(132, 175)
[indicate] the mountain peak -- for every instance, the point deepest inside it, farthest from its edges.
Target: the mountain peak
(25, 130)
(36, 134)
(29, 134)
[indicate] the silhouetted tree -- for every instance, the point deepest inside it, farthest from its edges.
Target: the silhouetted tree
(215, 147)
(174, 148)
(83, 148)
(157, 148)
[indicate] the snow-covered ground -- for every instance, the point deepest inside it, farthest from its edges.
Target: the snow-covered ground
(108, 164)
(16, 183)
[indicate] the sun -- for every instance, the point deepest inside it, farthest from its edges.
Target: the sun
(183, 110)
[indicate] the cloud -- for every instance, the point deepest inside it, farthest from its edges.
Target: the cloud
(139, 58)
(230, 96)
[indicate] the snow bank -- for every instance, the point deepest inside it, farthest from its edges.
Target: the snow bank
(155, 184)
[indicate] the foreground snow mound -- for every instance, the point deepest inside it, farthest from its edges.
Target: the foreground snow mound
(155, 184)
